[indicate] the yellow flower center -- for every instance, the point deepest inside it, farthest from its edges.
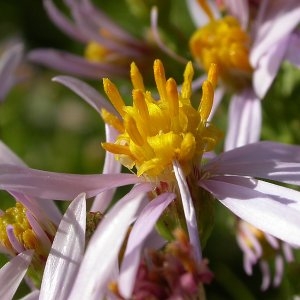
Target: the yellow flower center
(226, 44)
(23, 232)
(154, 133)
(95, 52)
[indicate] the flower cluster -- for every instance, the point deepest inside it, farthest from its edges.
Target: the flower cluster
(164, 141)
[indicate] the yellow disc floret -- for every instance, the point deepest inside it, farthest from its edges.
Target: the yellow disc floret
(16, 217)
(226, 44)
(154, 133)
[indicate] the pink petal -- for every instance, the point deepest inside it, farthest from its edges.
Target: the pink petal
(268, 66)
(244, 120)
(102, 252)
(240, 10)
(278, 20)
(12, 273)
(292, 54)
(111, 166)
(66, 252)
(269, 214)
(63, 23)
(32, 296)
(141, 229)
(59, 186)
(199, 17)
(8, 64)
(73, 64)
(86, 92)
(189, 210)
(268, 160)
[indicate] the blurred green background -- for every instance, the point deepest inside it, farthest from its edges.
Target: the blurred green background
(52, 129)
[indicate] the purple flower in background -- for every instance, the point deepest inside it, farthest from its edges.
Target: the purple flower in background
(109, 49)
(260, 247)
(248, 40)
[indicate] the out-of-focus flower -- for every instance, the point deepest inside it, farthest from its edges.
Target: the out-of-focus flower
(171, 273)
(164, 141)
(248, 40)
(109, 49)
(260, 247)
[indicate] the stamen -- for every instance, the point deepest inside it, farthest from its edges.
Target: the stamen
(206, 8)
(207, 99)
(114, 96)
(186, 90)
(112, 120)
(160, 79)
(136, 78)
(172, 97)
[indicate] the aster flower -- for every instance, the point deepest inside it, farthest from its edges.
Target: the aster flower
(164, 141)
(262, 248)
(109, 48)
(248, 40)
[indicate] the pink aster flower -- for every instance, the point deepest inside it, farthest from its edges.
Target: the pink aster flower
(248, 40)
(163, 142)
(109, 49)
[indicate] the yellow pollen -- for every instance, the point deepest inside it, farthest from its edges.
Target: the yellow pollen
(157, 132)
(16, 217)
(95, 52)
(224, 43)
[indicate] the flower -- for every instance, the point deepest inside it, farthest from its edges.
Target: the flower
(236, 178)
(249, 41)
(109, 48)
(261, 247)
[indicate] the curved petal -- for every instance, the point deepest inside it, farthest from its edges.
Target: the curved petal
(8, 63)
(63, 23)
(268, 160)
(86, 92)
(12, 273)
(73, 64)
(199, 17)
(59, 186)
(292, 54)
(141, 229)
(32, 296)
(269, 214)
(278, 20)
(244, 120)
(111, 166)
(240, 10)
(189, 210)
(66, 252)
(91, 282)
(268, 66)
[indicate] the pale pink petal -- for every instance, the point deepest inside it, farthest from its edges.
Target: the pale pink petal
(111, 166)
(199, 17)
(268, 160)
(141, 229)
(268, 66)
(12, 273)
(269, 214)
(240, 10)
(266, 275)
(9, 157)
(8, 64)
(63, 23)
(102, 252)
(244, 120)
(279, 269)
(189, 210)
(59, 186)
(278, 20)
(292, 54)
(66, 252)
(86, 92)
(76, 65)
(158, 40)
